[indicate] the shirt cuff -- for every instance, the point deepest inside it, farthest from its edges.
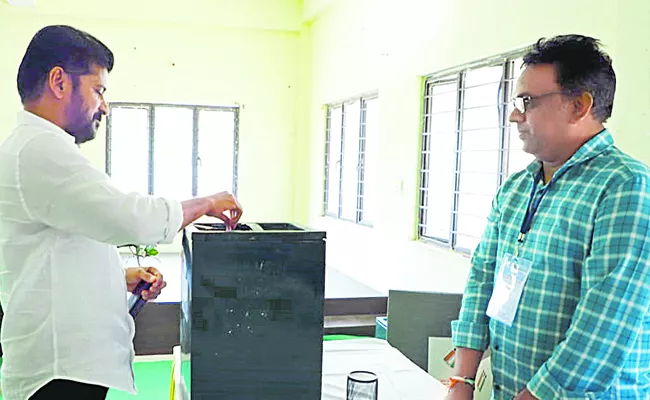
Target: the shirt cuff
(470, 335)
(544, 386)
(174, 220)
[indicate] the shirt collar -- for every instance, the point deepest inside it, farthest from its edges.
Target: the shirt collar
(31, 119)
(590, 149)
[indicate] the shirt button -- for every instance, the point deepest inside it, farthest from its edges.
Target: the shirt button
(496, 347)
(497, 387)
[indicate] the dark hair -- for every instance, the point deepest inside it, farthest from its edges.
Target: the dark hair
(71, 49)
(581, 67)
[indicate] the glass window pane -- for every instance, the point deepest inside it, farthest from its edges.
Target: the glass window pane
(130, 149)
(481, 118)
(438, 192)
(482, 76)
(173, 136)
(480, 96)
(473, 211)
(441, 103)
(448, 85)
(480, 157)
(474, 204)
(439, 159)
(478, 184)
(371, 162)
(486, 139)
(486, 162)
(444, 123)
(517, 158)
(517, 70)
(446, 100)
(350, 161)
(334, 160)
(467, 242)
(518, 161)
(216, 150)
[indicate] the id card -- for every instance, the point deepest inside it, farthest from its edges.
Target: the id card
(509, 285)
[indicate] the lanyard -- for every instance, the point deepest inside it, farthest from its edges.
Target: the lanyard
(533, 205)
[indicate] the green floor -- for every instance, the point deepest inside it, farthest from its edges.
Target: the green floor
(153, 378)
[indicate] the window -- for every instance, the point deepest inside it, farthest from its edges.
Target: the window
(172, 151)
(468, 149)
(351, 159)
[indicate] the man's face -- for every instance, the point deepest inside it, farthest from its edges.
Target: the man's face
(86, 105)
(544, 126)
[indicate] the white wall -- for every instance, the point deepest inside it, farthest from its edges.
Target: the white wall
(366, 45)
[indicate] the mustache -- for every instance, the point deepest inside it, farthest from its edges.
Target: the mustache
(98, 117)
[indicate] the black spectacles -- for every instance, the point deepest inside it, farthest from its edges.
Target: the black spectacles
(523, 103)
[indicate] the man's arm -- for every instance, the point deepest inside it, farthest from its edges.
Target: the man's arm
(615, 298)
(60, 188)
(470, 334)
(466, 364)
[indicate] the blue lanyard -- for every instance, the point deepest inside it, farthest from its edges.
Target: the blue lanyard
(533, 205)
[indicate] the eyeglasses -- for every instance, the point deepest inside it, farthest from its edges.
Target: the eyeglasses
(523, 103)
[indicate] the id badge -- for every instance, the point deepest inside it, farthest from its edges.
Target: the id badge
(511, 278)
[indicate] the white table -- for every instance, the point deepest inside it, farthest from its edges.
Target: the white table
(399, 378)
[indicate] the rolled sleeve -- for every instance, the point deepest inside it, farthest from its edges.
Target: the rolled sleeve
(545, 386)
(470, 335)
(174, 220)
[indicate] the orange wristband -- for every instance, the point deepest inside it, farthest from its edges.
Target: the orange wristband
(453, 380)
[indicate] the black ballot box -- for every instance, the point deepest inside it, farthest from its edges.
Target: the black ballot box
(252, 312)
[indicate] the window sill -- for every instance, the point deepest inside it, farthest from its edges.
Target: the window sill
(347, 221)
(444, 246)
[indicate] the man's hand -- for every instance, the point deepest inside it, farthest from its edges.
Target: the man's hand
(221, 205)
(460, 391)
(225, 202)
(150, 274)
(525, 395)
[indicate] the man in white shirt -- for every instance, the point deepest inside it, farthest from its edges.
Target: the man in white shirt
(66, 331)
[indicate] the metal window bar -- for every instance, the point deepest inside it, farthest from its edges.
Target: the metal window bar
(235, 160)
(152, 128)
(340, 161)
(108, 144)
(195, 152)
(328, 127)
(362, 159)
(459, 143)
(504, 139)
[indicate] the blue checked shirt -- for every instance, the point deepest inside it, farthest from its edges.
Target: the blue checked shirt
(582, 328)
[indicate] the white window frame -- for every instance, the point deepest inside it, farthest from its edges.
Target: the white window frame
(150, 152)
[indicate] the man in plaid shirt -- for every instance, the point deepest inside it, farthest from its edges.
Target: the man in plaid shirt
(559, 287)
